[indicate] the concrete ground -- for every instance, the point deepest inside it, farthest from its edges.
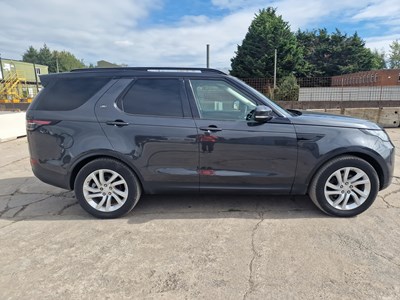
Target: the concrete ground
(190, 247)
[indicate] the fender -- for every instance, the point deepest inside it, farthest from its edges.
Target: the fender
(368, 154)
(84, 158)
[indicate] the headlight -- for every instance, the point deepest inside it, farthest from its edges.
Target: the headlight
(378, 133)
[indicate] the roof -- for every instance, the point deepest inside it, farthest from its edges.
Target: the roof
(133, 71)
(6, 60)
(152, 69)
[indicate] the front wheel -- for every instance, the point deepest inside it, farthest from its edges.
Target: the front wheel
(345, 186)
(106, 188)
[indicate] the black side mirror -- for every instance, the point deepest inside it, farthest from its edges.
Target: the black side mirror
(262, 114)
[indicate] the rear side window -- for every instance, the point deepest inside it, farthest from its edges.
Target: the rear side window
(154, 97)
(68, 93)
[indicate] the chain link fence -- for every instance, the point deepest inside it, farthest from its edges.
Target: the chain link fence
(327, 89)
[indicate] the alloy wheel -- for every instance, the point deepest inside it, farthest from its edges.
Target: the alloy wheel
(347, 188)
(105, 190)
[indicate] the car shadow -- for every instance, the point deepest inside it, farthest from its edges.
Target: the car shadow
(28, 198)
(223, 206)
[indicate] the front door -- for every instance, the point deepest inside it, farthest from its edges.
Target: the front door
(237, 154)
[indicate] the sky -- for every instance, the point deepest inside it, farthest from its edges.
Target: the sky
(175, 32)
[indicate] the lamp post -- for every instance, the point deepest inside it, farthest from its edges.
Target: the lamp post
(208, 56)
(58, 70)
(275, 61)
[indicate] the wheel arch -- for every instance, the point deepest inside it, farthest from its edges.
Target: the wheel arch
(367, 156)
(82, 161)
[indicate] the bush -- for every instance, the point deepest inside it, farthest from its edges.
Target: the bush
(288, 89)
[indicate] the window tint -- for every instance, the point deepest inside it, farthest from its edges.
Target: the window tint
(68, 93)
(157, 97)
(218, 99)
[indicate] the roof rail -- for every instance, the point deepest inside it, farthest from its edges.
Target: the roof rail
(151, 69)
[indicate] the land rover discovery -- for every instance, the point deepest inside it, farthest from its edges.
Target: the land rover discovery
(113, 134)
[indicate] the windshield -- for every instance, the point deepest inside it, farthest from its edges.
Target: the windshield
(269, 102)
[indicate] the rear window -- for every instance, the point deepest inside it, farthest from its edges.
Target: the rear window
(155, 97)
(69, 93)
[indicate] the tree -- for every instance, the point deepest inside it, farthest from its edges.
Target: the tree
(336, 53)
(379, 61)
(255, 57)
(30, 55)
(288, 89)
(316, 50)
(66, 61)
(45, 57)
(394, 55)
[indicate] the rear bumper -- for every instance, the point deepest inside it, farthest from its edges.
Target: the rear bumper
(49, 176)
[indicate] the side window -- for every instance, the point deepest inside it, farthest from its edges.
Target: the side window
(217, 99)
(68, 93)
(154, 97)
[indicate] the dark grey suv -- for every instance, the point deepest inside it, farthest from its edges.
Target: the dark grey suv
(113, 134)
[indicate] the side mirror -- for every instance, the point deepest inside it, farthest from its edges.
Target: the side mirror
(262, 114)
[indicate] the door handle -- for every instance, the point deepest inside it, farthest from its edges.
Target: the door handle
(118, 123)
(210, 128)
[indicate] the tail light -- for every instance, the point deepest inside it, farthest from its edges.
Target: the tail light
(33, 124)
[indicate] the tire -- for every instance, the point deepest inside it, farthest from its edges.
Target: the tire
(345, 186)
(106, 188)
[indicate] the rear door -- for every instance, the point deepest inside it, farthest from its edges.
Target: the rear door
(148, 120)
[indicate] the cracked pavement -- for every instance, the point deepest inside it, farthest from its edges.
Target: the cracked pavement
(186, 247)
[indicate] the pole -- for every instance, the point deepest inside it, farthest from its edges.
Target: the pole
(1, 69)
(58, 71)
(275, 61)
(208, 56)
(36, 79)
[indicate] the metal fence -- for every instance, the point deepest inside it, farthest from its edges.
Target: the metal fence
(325, 89)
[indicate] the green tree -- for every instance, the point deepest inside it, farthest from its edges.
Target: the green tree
(255, 57)
(352, 55)
(378, 60)
(45, 57)
(316, 50)
(394, 55)
(67, 61)
(336, 53)
(288, 89)
(30, 55)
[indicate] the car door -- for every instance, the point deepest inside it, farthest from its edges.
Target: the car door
(150, 124)
(235, 153)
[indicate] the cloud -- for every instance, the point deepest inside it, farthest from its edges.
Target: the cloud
(382, 9)
(121, 31)
(299, 14)
(124, 43)
(113, 31)
(381, 42)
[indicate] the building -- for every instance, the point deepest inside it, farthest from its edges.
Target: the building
(106, 64)
(387, 77)
(19, 81)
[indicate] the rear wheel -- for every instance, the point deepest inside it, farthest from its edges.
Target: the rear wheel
(345, 186)
(106, 188)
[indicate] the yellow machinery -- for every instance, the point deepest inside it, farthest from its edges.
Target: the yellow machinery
(11, 88)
